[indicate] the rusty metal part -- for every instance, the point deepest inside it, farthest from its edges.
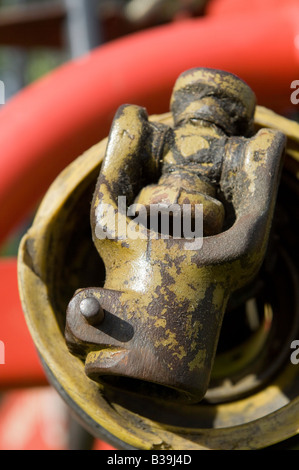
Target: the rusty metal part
(51, 259)
(164, 299)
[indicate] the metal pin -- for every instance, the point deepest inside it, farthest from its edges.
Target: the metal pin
(92, 311)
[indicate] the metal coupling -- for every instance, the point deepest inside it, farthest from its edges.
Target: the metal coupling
(153, 327)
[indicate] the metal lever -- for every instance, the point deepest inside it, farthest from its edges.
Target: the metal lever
(154, 326)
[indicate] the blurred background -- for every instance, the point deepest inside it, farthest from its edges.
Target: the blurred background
(43, 41)
(39, 35)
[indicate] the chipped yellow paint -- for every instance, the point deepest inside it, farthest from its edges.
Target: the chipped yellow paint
(161, 322)
(192, 327)
(198, 361)
(156, 269)
(228, 83)
(181, 353)
(259, 146)
(94, 356)
(168, 340)
(190, 142)
(217, 298)
(196, 106)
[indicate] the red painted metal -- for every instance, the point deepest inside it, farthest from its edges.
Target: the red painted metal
(21, 365)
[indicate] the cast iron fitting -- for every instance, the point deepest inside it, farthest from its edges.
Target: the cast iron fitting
(153, 328)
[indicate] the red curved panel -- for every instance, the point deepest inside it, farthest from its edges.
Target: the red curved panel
(19, 362)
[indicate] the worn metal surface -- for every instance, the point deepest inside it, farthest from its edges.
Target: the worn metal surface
(57, 257)
(164, 298)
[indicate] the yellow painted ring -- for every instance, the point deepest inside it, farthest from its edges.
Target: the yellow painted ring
(258, 421)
